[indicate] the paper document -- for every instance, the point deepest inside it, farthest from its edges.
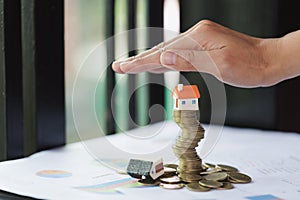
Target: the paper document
(272, 159)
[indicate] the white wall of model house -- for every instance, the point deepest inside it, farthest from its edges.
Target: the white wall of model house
(186, 104)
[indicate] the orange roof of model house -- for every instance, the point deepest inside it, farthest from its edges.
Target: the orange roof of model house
(187, 92)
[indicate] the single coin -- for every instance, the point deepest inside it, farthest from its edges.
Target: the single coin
(239, 177)
(196, 160)
(191, 166)
(226, 168)
(168, 172)
(149, 183)
(123, 172)
(190, 177)
(218, 176)
(186, 144)
(171, 186)
(210, 183)
(187, 156)
(189, 163)
(231, 180)
(171, 180)
(204, 168)
(174, 166)
(226, 186)
(196, 187)
(215, 170)
(190, 171)
(209, 165)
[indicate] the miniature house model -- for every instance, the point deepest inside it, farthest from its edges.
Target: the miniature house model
(186, 97)
(145, 169)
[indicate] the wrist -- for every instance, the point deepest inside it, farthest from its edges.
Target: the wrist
(281, 57)
(272, 61)
(289, 55)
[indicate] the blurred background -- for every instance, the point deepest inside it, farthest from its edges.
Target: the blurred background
(86, 25)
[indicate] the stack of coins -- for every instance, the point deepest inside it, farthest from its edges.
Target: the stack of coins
(190, 164)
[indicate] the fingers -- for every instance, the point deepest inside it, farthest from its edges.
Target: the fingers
(180, 41)
(117, 64)
(140, 64)
(151, 58)
(189, 60)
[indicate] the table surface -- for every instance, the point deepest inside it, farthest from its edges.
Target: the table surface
(88, 170)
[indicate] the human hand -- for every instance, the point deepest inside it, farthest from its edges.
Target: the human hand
(230, 56)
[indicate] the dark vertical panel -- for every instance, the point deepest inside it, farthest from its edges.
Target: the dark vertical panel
(156, 91)
(29, 77)
(131, 20)
(13, 71)
(43, 74)
(29, 82)
(288, 97)
(3, 152)
(110, 76)
(50, 76)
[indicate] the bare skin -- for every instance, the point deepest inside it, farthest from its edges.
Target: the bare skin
(232, 57)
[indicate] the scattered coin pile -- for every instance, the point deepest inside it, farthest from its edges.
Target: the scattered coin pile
(221, 177)
(190, 172)
(190, 164)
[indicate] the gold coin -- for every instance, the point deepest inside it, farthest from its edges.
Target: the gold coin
(193, 137)
(171, 180)
(196, 187)
(210, 183)
(226, 186)
(204, 168)
(190, 144)
(190, 164)
(174, 166)
(170, 170)
(189, 177)
(209, 165)
(190, 155)
(239, 177)
(149, 183)
(231, 180)
(171, 186)
(215, 170)
(227, 168)
(219, 176)
(186, 144)
(190, 168)
(189, 171)
(123, 172)
(177, 149)
(190, 161)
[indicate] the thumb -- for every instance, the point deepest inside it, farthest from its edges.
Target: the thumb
(186, 60)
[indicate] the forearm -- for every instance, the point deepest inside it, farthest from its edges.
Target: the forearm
(283, 58)
(290, 54)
